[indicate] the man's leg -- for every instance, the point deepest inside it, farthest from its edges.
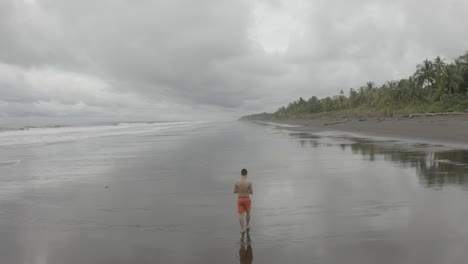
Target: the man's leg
(247, 211)
(241, 221)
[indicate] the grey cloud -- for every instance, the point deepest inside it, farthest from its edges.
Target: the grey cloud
(200, 54)
(151, 44)
(349, 43)
(273, 3)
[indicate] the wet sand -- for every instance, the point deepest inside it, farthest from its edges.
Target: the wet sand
(166, 197)
(445, 129)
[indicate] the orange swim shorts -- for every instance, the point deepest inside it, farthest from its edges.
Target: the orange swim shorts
(243, 205)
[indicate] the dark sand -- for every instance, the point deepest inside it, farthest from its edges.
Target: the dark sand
(317, 199)
(446, 129)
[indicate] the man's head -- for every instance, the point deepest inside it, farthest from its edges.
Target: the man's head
(244, 172)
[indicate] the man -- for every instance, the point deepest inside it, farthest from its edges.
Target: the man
(243, 188)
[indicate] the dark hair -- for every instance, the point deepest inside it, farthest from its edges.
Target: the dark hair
(244, 172)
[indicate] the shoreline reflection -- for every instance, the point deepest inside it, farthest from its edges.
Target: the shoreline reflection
(434, 167)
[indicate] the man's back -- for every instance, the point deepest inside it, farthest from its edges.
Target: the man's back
(243, 188)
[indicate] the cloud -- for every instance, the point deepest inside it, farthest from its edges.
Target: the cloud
(50, 92)
(209, 58)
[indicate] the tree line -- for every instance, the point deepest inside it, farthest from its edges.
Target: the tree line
(436, 86)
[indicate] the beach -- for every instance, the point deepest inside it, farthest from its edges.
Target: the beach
(162, 193)
(437, 129)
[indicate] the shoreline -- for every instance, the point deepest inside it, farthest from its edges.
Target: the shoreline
(449, 130)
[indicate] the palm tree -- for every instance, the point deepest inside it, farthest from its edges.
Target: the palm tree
(425, 74)
(395, 90)
(463, 64)
(439, 64)
(416, 93)
(450, 80)
(464, 58)
(370, 86)
(353, 97)
(459, 65)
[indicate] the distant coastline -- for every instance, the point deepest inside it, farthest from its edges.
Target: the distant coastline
(436, 86)
(431, 104)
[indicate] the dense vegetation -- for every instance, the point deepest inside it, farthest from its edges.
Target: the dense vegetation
(436, 86)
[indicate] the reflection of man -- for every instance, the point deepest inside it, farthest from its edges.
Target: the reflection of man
(245, 256)
(244, 189)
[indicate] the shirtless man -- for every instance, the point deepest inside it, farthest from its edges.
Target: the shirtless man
(243, 188)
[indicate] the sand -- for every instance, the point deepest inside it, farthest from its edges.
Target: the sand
(443, 129)
(166, 197)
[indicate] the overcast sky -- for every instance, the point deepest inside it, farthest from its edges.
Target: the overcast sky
(208, 59)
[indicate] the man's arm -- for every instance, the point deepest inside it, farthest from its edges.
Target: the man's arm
(236, 190)
(250, 188)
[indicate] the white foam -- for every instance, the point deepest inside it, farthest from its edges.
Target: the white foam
(60, 134)
(277, 124)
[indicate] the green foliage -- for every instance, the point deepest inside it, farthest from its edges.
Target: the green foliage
(436, 86)
(453, 103)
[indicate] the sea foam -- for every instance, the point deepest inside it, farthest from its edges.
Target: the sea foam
(47, 135)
